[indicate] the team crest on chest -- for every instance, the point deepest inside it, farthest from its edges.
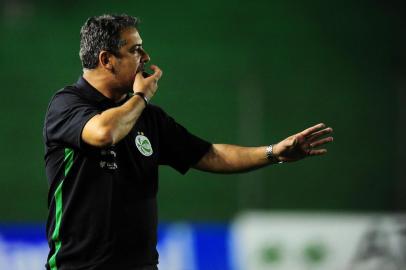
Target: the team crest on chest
(143, 144)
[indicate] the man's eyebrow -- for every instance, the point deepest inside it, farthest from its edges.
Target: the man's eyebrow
(136, 45)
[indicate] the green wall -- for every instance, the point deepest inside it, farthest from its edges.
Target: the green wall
(241, 72)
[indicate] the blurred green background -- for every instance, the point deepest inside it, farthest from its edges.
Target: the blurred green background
(239, 72)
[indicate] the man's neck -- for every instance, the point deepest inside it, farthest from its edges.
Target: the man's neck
(103, 84)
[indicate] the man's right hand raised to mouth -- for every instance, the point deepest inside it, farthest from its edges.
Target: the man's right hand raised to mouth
(112, 125)
(147, 85)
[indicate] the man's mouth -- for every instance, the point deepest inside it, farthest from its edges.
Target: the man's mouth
(140, 68)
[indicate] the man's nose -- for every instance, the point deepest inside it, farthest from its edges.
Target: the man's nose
(145, 57)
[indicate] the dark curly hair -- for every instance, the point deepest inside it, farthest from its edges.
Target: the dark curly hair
(102, 33)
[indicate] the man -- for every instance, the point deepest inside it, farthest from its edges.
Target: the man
(104, 143)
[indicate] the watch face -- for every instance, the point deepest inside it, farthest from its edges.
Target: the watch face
(269, 153)
(270, 156)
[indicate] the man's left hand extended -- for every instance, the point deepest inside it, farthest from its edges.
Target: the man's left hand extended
(303, 144)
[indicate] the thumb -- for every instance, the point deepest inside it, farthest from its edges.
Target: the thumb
(138, 75)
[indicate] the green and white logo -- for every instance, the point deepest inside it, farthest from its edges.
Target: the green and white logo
(143, 145)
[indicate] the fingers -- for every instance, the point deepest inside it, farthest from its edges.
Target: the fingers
(312, 129)
(157, 72)
(317, 152)
(319, 133)
(147, 84)
(321, 142)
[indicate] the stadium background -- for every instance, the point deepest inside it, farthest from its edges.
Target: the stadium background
(240, 72)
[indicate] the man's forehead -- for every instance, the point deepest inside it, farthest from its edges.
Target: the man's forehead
(130, 36)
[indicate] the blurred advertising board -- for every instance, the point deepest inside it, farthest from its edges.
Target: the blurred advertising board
(253, 241)
(299, 241)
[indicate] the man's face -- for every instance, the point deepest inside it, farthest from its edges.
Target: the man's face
(131, 59)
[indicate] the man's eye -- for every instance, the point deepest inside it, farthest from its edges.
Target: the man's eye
(137, 50)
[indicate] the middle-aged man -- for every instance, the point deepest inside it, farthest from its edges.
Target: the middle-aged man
(104, 143)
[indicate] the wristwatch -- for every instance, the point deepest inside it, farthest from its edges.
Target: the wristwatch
(270, 155)
(141, 94)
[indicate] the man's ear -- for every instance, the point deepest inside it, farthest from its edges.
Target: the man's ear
(106, 60)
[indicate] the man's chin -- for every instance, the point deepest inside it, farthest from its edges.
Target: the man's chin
(125, 87)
